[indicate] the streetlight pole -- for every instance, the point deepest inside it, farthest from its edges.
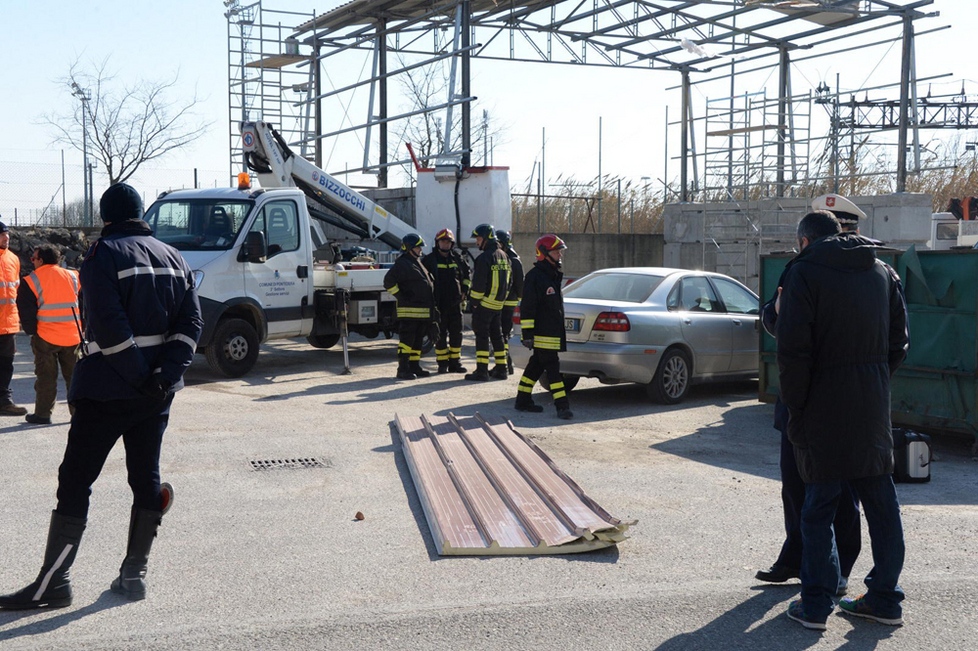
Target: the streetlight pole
(84, 95)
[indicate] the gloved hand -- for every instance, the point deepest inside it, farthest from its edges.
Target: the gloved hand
(156, 387)
(528, 342)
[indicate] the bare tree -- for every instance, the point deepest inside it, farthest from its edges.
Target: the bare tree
(126, 125)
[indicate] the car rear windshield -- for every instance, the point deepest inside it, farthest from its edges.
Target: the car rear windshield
(631, 288)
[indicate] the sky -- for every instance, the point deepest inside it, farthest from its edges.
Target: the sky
(188, 39)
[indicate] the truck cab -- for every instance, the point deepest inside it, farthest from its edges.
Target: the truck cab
(252, 256)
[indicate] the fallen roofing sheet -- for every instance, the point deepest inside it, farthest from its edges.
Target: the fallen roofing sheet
(489, 490)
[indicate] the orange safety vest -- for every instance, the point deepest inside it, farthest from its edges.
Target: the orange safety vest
(9, 282)
(56, 290)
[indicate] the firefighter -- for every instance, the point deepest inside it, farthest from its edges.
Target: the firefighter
(515, 292)
(451, 276)
(542, 327)
(411, 284)
(490, 287)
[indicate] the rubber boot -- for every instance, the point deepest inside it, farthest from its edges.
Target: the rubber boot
(404, 369)
(563, 409)
(455, 366)
(499, 372)
(131, 582)
(418, 371)
(52, 588)
(442, 366)
(525, 403)
(481, 373)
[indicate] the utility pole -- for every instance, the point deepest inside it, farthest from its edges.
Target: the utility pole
(84, 95)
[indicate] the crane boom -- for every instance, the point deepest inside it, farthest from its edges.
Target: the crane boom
(269, 156)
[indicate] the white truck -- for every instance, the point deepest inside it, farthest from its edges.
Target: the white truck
(263, 267)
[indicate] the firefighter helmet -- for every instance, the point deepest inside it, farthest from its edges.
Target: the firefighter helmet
(410, 241)
(445, 234)
(547, 243)
(485, 231)
(503, 238)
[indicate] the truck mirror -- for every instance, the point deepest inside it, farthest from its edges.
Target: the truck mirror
(253, 249)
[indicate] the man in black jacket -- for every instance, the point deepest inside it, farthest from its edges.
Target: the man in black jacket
(142, 321)
(413, 288)
(491, 277)
(451, 276)
(542, 327)
(515, 292)
(842, 333)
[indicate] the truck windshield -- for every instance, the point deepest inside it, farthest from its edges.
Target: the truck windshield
(197, 224)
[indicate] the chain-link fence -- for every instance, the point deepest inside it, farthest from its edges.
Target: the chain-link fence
(40, 191)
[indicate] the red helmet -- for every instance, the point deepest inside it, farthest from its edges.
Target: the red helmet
(548, 243)
(445, 234)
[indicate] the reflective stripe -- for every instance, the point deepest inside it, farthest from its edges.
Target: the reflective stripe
(393, 290)
(7, 301)
(43, 586)
(150, 271)
(527, 324)
(512, 303)
(184, 338)
(54, 319)
(413, 313)
(10, 283)
(142, 342)
(546, 343)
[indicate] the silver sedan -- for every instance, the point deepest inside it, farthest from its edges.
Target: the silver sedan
(664, 328)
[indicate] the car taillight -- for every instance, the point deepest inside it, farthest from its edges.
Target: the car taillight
(612, 322)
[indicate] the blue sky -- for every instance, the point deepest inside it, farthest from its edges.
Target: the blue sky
(155, 40)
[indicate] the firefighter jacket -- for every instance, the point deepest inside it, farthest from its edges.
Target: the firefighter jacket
(491, 277)
(516, 275)
(9, 282)
(413, 287)
(451, 276)
(47, 301)
(141, 315)
(542, 308)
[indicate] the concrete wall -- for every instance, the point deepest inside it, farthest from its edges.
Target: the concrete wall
(587, 252)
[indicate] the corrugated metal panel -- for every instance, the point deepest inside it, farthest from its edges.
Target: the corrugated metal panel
(487, 489)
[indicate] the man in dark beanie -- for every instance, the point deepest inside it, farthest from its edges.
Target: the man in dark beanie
(142, 320)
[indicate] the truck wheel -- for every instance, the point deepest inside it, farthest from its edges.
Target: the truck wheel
(322, 341)
(234, 349)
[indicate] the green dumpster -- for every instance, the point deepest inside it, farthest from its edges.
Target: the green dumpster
(936, 389)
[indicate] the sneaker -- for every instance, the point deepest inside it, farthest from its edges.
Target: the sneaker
(777, 574)
(166, 497)
(796, 612)
(34, 419)
(860, 608)
(11, 409)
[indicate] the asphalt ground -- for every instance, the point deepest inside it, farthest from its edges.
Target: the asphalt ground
(275, 559)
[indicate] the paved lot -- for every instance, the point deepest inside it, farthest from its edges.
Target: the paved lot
(274, 559)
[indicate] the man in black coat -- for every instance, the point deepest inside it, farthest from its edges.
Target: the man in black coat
(451, 275)
(842, 333)
(414, 290)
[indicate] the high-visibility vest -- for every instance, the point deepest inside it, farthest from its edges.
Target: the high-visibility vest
(56, 290)
(9, 282)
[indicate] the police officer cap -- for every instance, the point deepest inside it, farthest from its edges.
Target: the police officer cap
(120, 203)
(844, 210)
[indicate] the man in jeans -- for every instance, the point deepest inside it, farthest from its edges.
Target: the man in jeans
(842, 333)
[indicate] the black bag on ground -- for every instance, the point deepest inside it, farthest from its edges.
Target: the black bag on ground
(911, 456)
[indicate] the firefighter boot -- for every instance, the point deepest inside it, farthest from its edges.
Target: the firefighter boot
(563, 408)
(418, 371)
(52, 588)
(481, 373)
(404, 369)
(509, 363)
(131, 582)
(455, 366)
(442, 366)
(499, 372)
(525, 403)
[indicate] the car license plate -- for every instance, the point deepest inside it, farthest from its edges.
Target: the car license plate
(572, 325)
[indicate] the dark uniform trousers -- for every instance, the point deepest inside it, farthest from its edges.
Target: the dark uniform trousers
(544, 361)
(7, 350)
(95, 428)
(47, 359)
(487, 326)
(410, 333)
(506, 321)
(449, 344)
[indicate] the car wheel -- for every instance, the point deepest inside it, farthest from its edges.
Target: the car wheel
(234, 349)
(322, 341)
(671, 382)
(570, 381)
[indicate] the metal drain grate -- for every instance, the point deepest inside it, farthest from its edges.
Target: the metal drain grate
(290, 464)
